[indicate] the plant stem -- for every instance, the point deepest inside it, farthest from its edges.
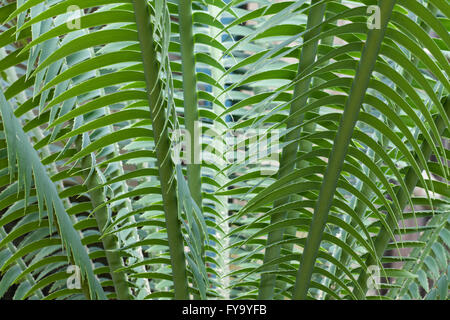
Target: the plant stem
(110, 242)
(360, 205)
(162, 143)
(129, 236)
(289, 152)
(132, 235)
(222, 177)
(304, 146)
(335, 162)
(190, 98)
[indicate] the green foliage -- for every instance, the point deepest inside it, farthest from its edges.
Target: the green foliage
(92, 107)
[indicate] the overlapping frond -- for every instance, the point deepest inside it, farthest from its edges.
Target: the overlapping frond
(323, 141)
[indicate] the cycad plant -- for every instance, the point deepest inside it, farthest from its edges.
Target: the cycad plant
(224, 149)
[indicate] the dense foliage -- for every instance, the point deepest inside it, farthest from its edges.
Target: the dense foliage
(322, 127)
